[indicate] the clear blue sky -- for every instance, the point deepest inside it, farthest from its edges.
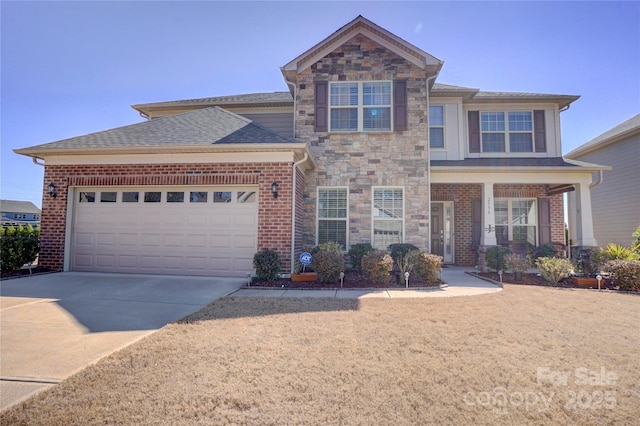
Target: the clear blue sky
(72, 68)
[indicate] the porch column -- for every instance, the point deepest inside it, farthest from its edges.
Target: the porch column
(488, 234)
(584, 217)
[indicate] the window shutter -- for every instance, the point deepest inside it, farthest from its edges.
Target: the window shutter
(540, 135)
(400, 105)
(544, 221)
(321, 112)
(476, 223)
(474, 131)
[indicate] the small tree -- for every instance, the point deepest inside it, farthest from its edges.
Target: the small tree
(495, 257)
(18, 246)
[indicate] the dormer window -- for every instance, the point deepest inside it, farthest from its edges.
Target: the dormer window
(360, 106)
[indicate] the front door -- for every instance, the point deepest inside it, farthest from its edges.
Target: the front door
(442, 230)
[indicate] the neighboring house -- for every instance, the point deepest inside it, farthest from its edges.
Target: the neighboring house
(365, 146)
(615, 200)
(19, 213)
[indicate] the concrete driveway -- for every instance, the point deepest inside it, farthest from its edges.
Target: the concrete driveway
(52, 326)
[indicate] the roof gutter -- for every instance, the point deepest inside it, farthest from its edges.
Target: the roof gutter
(35, 161)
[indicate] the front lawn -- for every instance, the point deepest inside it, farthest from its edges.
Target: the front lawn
(526, 355)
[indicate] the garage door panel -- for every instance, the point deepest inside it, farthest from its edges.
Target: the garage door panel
(191, 238)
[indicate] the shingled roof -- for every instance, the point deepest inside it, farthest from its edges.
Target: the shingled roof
(622, 131)
(202, 127)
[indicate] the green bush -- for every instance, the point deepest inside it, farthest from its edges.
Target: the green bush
(357, 252)
(18, 246)
(546, 250)
(267, 265)
(624, 273)
(615, 252)
(399, 251)
(635, 245)
(554, 269)
(377, 266)
(495, 258)
(328, 265)
(426, 267)
(516, 263)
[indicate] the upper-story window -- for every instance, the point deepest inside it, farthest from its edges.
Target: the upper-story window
(360, 106)
(436, 126)
(507, 132)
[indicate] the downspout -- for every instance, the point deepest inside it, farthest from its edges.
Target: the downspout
(433, 77)
(293, 210)
(598, 182)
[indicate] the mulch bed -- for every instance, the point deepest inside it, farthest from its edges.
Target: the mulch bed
(535, 279)
(36, 270)
(352, 279)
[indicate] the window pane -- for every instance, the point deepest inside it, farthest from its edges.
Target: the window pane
(436, 137)
(130, 197)
(333, 231)
(377, 119)
(108, 197)
(175, 197)
(523, 212)
(492, 121)
(332, 203)
(520, 122)
(502, 234)
(387, 203)
(386, 232)
(344, 119)
(501, 212)
(520, 142)
(376, 93)
(493, 142)
(87, 197)
(198, 197)
(247, 197)
(344, 94)
(222, 197)
(436, 115)
(152, 197)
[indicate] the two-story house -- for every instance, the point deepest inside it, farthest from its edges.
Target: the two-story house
(365, 146)
(16, 213)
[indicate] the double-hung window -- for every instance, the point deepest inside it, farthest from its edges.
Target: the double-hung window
(516, 220)
(332, 216)
(388, 217)
(360, 106)
(436, 126)
(507, 132)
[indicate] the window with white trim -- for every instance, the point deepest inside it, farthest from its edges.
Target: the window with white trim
(513, 134)
(332, 216)
(516, 220)
(360, 106)
(388, 217)
(436, 126)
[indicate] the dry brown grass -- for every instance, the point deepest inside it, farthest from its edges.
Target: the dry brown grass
(372, 361)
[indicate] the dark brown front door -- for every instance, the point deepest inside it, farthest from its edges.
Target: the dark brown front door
(437, 229)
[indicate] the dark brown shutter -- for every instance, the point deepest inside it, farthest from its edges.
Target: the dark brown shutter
(544, 220)
(540, 134)
(474, 131)
(400, 105)
(321, 112)
(476, 222)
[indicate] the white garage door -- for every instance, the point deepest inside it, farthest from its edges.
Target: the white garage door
(174, 230)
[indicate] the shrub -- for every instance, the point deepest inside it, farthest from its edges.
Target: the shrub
(546, 250)
(398, 251)
(18, 246)
(267, 265)
(588, 261)
(330, 247)
(426, 267)
(615, 252)
(357, 252)
(635, 245)
(328, 265)
(407, 261)
(516, 263)
(624, 273)
(377, 266)
(495, 257)
(553, 269)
